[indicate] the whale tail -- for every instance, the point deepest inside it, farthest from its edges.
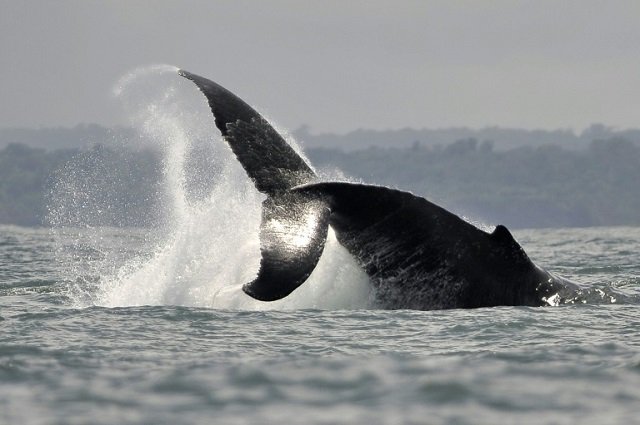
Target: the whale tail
(272, 164)
(294, 226)
(401, 240)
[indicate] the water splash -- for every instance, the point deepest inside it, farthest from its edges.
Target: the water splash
(206, 246)
(126, 81)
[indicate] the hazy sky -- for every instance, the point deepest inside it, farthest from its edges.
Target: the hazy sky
(335, 65)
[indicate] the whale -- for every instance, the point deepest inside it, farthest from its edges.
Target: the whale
(416, 254)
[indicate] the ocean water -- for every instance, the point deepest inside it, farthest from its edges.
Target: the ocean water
(65, 359)
(107, 325)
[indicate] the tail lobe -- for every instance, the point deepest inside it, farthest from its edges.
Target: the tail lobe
(270, 162)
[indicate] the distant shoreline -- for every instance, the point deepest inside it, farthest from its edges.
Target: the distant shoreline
(502, 138)
(543, 185)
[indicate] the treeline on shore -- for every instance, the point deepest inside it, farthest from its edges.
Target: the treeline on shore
(543, 186)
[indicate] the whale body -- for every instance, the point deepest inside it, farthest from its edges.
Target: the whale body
(417, 254)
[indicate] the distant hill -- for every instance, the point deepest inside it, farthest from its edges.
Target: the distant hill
(52, 138)
(110, 181)
(86, 135)
(501, 138)
(544, 186)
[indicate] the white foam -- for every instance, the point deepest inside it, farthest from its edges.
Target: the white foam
(209, 246)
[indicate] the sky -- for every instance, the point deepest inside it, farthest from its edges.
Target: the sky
(333, 65)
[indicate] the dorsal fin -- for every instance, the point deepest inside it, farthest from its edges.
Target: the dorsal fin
(270, 162)
(292, 237)
(502, 236)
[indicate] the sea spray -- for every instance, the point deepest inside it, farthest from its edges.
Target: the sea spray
(206, 244)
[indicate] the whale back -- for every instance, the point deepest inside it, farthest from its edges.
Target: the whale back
(419, 255)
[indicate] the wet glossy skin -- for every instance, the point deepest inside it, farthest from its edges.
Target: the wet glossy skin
(417, 254)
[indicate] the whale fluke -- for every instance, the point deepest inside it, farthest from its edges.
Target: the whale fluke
(292, 237)
(294, 228)
(270, 162)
